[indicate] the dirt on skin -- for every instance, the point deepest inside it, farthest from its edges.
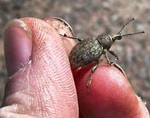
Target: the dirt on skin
(88, 19)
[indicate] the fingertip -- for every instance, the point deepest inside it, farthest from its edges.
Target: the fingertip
(47, 76)
(110, 93)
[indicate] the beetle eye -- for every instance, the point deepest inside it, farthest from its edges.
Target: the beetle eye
(119, 37)
(116, 37)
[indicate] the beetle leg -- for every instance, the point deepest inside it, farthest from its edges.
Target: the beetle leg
(113, 63)
(90, 79)
(107, 59)
(119, 67)
(72, 37)
(113, 53)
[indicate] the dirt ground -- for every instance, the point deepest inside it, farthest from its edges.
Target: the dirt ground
(89, 18)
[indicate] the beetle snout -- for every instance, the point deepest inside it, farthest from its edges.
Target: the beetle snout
(117, 37)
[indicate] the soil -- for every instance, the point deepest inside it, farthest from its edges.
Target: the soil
(88, 19)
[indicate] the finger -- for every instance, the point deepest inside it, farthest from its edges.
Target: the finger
(110, 95)
(43, 85)
(18, 46)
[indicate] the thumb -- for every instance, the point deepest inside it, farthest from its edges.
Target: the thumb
(44, 85)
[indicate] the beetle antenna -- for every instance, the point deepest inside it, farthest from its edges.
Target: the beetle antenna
(125, 25)
(133, 33)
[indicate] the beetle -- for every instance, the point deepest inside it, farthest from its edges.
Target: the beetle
(90, 50)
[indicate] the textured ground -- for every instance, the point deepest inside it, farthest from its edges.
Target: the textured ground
(88, 19)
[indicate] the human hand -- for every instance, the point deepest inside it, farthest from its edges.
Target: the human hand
(41, 83)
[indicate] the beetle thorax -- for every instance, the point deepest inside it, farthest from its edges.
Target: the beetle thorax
(105, 40)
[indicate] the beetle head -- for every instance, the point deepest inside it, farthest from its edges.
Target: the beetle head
(106, 40)
(119, 35)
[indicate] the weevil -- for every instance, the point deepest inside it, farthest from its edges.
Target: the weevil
(90, 50)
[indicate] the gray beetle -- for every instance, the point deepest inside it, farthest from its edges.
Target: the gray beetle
(89, 50)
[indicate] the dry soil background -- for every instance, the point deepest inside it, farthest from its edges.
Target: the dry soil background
(88, 19)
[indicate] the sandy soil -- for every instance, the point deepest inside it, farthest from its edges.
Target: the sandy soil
(88, 19)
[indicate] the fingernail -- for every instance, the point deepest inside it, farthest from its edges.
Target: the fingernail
(59, 27)
(17, 46)
(62, 27)
(65, 23)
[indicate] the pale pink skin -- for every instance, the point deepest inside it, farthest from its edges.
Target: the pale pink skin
(44, 86)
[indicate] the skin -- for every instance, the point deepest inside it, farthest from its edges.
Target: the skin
(41, 82)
